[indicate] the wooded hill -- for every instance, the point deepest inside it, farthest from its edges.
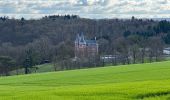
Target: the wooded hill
(37, 41)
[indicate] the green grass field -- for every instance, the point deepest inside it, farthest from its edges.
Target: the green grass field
(128, 82)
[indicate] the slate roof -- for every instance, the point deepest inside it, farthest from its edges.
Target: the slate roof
(80, 38)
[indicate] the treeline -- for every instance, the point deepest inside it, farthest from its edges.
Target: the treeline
(26, 43)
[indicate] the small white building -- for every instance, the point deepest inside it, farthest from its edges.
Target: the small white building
(108, 58)
(166, 51)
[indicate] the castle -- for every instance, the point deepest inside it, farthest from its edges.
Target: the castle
(84, 47)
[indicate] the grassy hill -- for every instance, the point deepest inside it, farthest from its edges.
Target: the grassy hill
(128, 82)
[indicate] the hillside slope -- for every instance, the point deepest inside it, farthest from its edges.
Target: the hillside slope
(139, 81)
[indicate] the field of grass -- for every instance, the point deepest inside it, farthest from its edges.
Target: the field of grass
(128, 82)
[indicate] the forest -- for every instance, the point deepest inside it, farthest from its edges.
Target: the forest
(25, 43)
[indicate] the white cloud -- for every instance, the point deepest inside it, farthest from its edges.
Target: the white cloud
(86, 8)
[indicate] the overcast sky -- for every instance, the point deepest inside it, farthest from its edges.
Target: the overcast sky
(86, 8)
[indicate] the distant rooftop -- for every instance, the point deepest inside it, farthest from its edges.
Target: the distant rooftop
(81, 39)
